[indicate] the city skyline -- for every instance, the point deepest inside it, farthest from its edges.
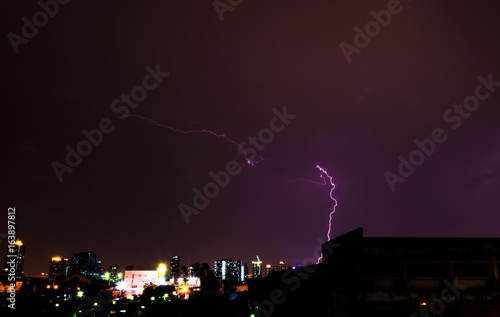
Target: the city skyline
(60, 265)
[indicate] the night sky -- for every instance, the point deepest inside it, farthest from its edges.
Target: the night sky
(354, 119)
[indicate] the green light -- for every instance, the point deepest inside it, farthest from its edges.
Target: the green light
(153, 298)
(114, 302)
(95, 304)
(79, 294)
(106, 276)
(57, 305)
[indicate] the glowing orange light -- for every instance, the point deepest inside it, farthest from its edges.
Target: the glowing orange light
(19, 243)
(423, 304)
(56, 259)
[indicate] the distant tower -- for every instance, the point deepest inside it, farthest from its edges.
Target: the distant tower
(247, 272)
(85, 263)
(15, 254)
(256, 268)
(282, 266)
(229, 270)
(268, 269)
(59, 267)
(113, 272)
(175, 266)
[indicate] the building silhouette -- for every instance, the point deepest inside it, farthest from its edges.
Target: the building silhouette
(269, 269)
(282, 266)
(175, 266)
(113, 272)
(59, 267)
(85, 263)
(385, 276)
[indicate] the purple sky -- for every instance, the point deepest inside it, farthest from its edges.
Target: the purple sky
(354, 119)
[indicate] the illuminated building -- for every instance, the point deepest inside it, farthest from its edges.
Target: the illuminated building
(256, 269)
(113, 272)
(268, 269)
(59, 267)
(18, 249)
(229, 270)
(175, 266)
(282, 266)
(134, 281)
(85, 263)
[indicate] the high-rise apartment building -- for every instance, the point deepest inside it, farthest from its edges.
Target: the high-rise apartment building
(85, 263)
(59, 267)
(175, 266)
(256, 269)
(229, 270)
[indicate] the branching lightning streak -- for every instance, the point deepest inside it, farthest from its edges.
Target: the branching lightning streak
(219, 135)
(324, 175)
(326, 179)
(175, 130)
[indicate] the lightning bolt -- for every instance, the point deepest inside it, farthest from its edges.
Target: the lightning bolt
(327, 179)
(324, 175)
(218, 135)
(175, 130)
